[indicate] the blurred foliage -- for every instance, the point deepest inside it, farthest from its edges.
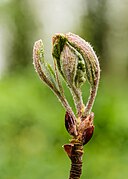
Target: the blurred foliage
(22, 25)
(31, 118)
(94, 27)
(32, 132)
(104, 25)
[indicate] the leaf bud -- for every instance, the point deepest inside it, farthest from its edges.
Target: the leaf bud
(70, 124)
(87, 135)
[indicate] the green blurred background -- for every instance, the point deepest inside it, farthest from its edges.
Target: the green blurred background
(31, 118)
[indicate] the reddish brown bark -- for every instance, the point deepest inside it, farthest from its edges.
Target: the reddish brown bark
(75, 152)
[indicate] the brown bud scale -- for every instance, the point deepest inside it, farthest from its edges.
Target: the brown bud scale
(87, 135)
(70, 124)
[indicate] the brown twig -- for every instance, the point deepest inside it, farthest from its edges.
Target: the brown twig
(75, 152)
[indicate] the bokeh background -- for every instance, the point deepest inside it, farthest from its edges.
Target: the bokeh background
(32, 119)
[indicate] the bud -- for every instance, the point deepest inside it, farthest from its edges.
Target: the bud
(87, 135)
(70, 124)
(86, 129)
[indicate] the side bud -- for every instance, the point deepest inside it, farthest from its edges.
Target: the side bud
(86, 128)
(70, 124)
(87, 135)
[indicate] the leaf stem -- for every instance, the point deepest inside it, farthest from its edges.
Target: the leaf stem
(93, 89)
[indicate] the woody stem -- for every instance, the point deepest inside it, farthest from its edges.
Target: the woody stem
(76, 161)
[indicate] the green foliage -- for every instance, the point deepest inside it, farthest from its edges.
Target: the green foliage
(32, 132)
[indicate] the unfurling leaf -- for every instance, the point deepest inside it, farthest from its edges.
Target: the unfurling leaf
(88, 55)
(76, 59)
(43, 69)
(47, 75)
